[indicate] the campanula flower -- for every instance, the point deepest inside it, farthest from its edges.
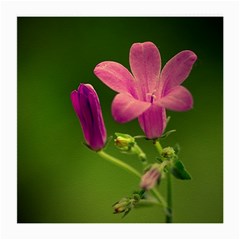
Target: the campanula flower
(147, 92)
(87, 107)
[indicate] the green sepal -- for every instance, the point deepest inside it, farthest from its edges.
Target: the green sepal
(137, 195)
(126, 212)
(105, 146)
(159, 159)
(109, 139)
(178, 170)
(124, 142)
(177, 148)
(168, 120)
(124, 135)
(87, 146)
(166, 134)
(139, 137)
(147, 168)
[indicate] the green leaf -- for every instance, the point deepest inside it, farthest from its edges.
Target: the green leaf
(178, 170)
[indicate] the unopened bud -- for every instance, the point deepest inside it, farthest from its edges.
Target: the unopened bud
(126, 204)
(168, 153)
(124, 142)
(150, 178)
(121, 206)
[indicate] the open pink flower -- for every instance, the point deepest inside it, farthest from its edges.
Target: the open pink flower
(88, 109)
(148, 91)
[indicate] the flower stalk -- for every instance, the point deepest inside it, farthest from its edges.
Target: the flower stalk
(119, 163)
(133, 171)
(169, 217)
(141, 154)
(158, 146)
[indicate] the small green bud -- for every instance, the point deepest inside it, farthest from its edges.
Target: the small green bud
(126, 204)
(168, 153)
(122, 205)
(127, 144)
(124, 142)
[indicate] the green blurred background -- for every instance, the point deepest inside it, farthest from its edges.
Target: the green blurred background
(60, 180)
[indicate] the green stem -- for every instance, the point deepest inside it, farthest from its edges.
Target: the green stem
(169, 187)
(132, 170)
(119, 163)
(155, 192)
(169, 198)
(140, 154)
(146, 202)
(158, 146)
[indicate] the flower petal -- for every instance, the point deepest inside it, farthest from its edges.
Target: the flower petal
(176, 70)
(178, 99)
(125, 108)
(145, 62)
(115, 76)
(153, 121)
(99, 133)
(75, 102)
(75, 97)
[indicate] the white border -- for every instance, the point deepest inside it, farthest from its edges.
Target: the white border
(9, 12)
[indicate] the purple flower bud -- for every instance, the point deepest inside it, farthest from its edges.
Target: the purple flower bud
(150, 178)
(87, 107)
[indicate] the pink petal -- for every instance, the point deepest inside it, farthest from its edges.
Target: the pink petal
(97, 128)
(153, 121)
(145, 62)
(125, 108)
(115, 76)
(178, 99)
(177, 70)
(75, 102)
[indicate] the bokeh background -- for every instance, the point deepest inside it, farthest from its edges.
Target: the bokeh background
(59, 179)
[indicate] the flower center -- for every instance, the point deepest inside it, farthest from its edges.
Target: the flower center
(151, 96)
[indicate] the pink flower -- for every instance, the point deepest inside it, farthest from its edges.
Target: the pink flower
(87, 107)
(148, 91)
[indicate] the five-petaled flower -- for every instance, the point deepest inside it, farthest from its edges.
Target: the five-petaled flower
(148, 91)
(87, 107)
